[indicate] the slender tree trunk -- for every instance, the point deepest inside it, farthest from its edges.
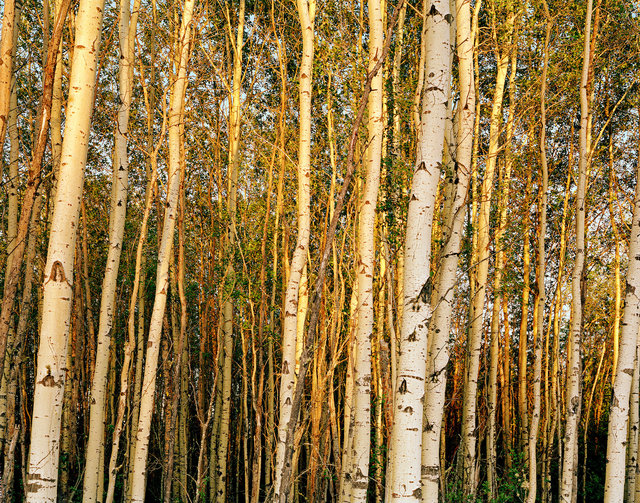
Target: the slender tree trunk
(41, 484)
(469, 426)
(359, 469)
(438, 353)
(175, 118)
(306, 13)
(95, 443)
(6, 65)
(541, 271)
(227, 307)
(573, 393)
(405, 466)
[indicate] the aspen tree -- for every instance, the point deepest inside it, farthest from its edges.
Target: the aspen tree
(406, 435)
(365, 264)
(619, 408)
(12, 231)
(633, 468)
(541, 270)
(6, 64)
(175, 118)
(500, 252)
(481, 263)
(42, 477)
(230, 242)
(438, 353)
(30, 195)
(306, 13)
(119, 190)
(573, 393)
(632, 442)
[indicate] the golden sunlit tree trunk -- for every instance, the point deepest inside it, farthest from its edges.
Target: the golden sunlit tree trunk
(230, 243)
(42, 478)
(365, 265)
(474, 344)
(573, 393)
(6, 65)
(405, 464)
(306, 13)
(540, 274)
(175, 118)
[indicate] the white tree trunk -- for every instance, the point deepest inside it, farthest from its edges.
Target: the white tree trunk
(306, 12)
(365, 267)
(619, 409)
(573, 393)
(42, 476)
(634, 420)
(438, 355)
(229, 244)
(406, 437)
(95, 443)
(539, 336)
(176, 114)
(469, 430)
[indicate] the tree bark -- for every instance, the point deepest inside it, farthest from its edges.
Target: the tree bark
(306, 13)
(175, 118)
(438, 352)
(573, 395)
(481, 264)
(119, 190)
(406, 436)
(42, 478)
(365, 265)
(619, 408)
(6, 65)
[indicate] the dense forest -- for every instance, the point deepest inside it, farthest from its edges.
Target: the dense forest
(305, 251)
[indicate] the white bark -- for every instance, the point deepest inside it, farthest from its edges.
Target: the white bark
(634, 420)
(619, 409)
(42, 477)
(365, 267)
(573, 393)
(469, 430)
(539, 336)
(176, 114)
(438, 355)
(95, 443)
(406, 437)
(306, 12)
(227, 307)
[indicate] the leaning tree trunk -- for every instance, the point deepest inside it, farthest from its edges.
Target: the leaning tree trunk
(365, 266)
(438, 354)
(93, 476)
(176, 116)
(573, 393)
(42, 478)
(406, 436)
